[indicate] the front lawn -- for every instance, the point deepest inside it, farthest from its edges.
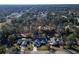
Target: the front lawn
(43, 48)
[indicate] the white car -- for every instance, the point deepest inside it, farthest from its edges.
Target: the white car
(52, 41)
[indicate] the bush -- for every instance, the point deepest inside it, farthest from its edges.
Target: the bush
(30, 47)
(17, 47)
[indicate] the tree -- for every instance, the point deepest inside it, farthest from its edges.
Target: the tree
(8, 28)
(2, 49)
(72, 39)
(12, 38)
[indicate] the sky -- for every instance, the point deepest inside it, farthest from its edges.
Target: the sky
(39, 1)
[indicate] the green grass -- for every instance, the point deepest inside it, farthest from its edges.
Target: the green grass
(43, 48)
(66, 47)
